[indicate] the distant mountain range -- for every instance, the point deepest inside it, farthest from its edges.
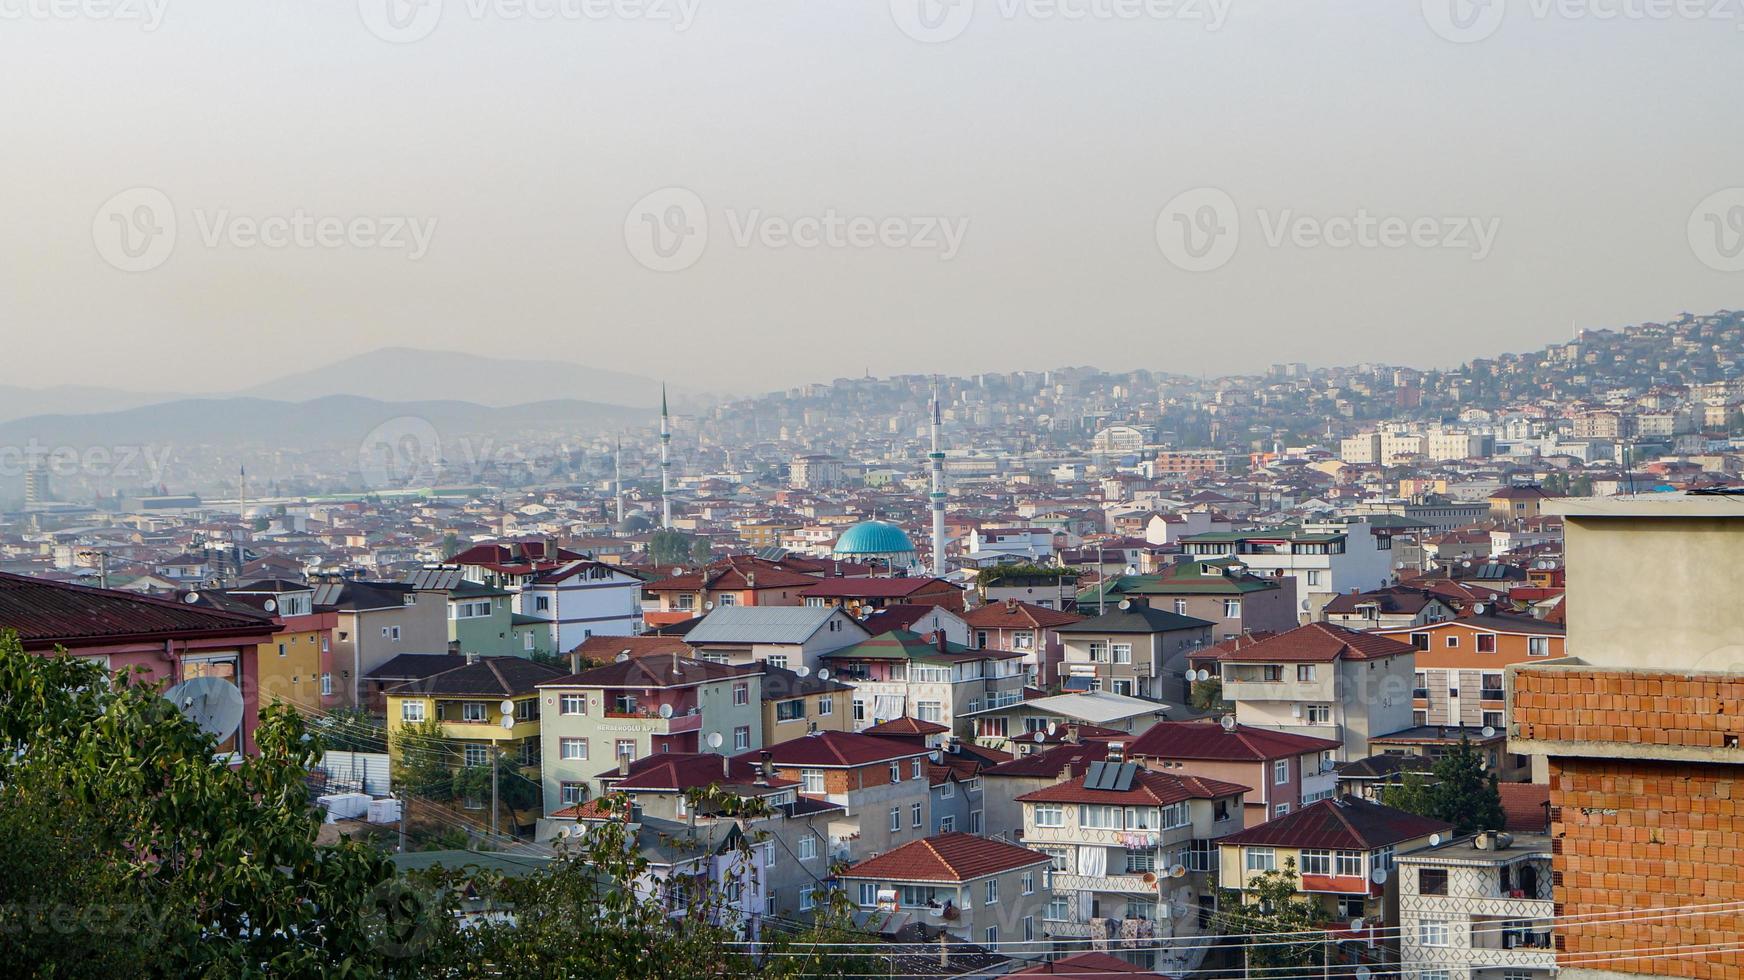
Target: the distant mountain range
(335, 421)
(392, 374)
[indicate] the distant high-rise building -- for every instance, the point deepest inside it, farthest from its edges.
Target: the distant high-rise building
(36, 489)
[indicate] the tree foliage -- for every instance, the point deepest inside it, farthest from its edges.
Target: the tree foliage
(1274, 907)
(1461, 790)
(129, 848)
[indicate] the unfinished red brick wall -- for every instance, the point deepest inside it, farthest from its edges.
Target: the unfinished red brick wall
(1630, 835)
(1569, 705)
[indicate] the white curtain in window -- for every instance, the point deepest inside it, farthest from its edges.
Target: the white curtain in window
(1093, 861)
(886, 707)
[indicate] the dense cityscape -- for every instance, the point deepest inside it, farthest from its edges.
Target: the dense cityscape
(1366, 670)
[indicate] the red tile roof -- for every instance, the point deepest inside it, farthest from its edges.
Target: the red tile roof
(906, 726)
(654, 670)
(45, 614)
(876, 588)
(1206, 739)
(1525, 807)
(1148, 788)
(955, 857)
(827, 750)
(1014, 615)
(678, 771)
(1319, 642)
(1049, 763)
(1345, 823)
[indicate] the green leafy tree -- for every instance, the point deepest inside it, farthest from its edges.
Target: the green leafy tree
(423, 764)
(667, 548)
(1208, 695)
(1286, 922)
(1461, 790)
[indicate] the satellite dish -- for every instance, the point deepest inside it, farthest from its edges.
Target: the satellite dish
(1228, 723)
(620, 658)
(1204, 674)
(508, 723)
(708, 607)
(1362, 973)
(677, 570)
(1478, 608)
(714, 740)
(191, 598)
(1434, 841)
(1053, 727)
(1489, 731)
(507, 707)
(212, 703)
(1356, 925)
(1378, 876)
(666, 711)
(1178, 871)
(1041, 736)
(802, 670)
(269, 605)
(1126, 604)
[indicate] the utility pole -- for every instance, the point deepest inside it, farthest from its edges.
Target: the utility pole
(495, 753)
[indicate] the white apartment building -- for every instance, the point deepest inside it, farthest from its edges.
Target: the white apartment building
(1325, 559)
(1477, 908)
(1326, 681)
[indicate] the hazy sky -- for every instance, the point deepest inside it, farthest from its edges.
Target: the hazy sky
(1020, 188)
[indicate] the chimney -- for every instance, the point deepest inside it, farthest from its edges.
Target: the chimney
(623, 765)
(1071, 735)
(768, 766)
(1116, 751)
(1011, 603)
(944, 644)
(1070, 772)
(726, 767)
(575, 661)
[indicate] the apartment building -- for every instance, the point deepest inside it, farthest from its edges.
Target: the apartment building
(735, 581)
(1221, 591)
(1131, 845)
(487, 705)
(1343, 851)
(1461, 663)
(976, 889)
(1026, 628)
(1323, 680)
(375, 622)
(1133, 649)
(901, 673)
(640, 707)
(880, 784)
(1283, 771)
(1478, 907)
(1325, 559)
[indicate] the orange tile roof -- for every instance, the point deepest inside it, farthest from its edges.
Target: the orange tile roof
(954, 857)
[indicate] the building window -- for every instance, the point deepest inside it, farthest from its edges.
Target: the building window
(741, 738)
(727, 599)
(993, 936)
(1486, 642)
(472, 711)
(895, 819)
(327, 685)
(542, 603)
(868, 894)
(1281, 771)
(1420, 641)
(569, 794)
(992, 892)
(826, 705)
(1232, 607)
(476, 755)
(1280, 809)
(947, 824)
(1029, 928)
(811, 781)
(1028, 880)
(572, 748)
(1180, 607)
(1306, 673)
(626, 749)
(1319, 714)
(1453, 641)
(859, 709)
(1057, 910)
(790, 710)
(1272, 673)
(1122, 653)
(1316, 862)
(1260, 858)
(412, 711)
(1432, 932)
(1022, 641)
(1050, 815)
(776, 660)
(947, 790)
(741, 694)
(915, 769)
(932, 711)
(808, 848)
(896, 772)
(917, 814)
(1538, 646)
(807, 902)
(572, 704)
(1431, 881)
(1493, 719)
(1350, 864)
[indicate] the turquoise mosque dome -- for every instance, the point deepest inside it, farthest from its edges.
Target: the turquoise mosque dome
(874, 539)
